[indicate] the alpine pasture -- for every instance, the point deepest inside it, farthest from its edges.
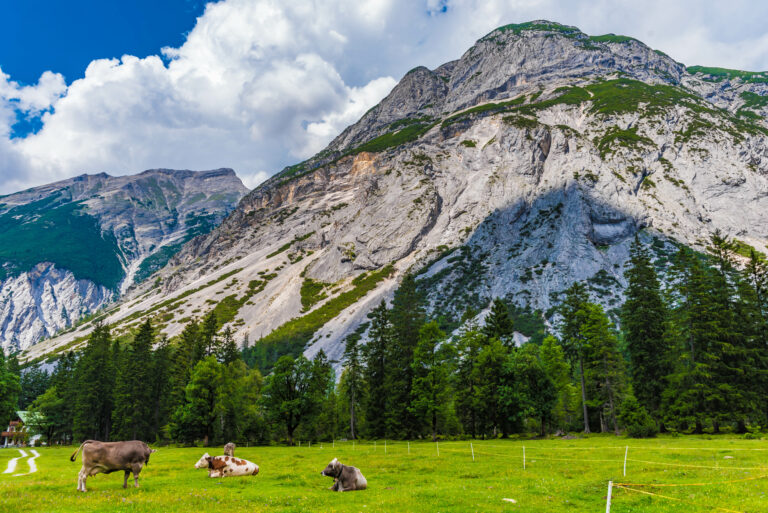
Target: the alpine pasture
(697, 473)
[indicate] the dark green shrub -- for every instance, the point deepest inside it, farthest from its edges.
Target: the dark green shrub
(636, 420)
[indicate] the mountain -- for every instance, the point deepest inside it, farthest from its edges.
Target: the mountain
(530, 162)
(69, 248)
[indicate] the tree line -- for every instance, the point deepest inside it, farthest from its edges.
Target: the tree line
(689, 357)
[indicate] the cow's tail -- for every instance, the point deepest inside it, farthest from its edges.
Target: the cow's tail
(74, 454)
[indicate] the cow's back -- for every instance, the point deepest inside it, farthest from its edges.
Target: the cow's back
(115, 455)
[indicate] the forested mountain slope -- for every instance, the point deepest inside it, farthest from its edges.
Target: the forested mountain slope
(69, 248)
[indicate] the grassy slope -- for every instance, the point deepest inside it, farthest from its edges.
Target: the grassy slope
(290, 480)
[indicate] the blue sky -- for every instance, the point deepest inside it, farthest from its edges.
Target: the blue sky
(107, 86)
(64, 36)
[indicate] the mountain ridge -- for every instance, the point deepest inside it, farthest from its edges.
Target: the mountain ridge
(530, 162)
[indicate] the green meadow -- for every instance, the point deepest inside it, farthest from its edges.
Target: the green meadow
(559, 475)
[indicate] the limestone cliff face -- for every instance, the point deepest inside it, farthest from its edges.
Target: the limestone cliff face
(532, 161)
(72, 247)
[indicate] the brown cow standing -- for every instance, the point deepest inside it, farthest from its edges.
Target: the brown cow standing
(229, 449)
(108, 457)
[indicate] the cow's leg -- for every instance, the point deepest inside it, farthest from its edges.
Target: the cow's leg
(125, 481)
(82, 476)
(136, 470)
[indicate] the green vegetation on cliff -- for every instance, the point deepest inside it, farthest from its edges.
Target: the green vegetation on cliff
(56, 231)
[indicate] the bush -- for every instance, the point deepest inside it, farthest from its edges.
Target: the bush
(636, 420)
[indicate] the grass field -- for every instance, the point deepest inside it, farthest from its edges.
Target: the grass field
(560, 475)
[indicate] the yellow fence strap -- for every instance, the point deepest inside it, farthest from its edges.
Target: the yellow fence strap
(695, 466)
(714, 483)
(717, 508)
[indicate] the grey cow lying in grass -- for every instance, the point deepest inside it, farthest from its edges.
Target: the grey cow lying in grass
(345, 477)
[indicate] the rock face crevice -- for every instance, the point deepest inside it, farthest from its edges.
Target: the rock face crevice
(540, 154)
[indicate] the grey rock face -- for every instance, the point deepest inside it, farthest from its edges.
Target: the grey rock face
(516, 201)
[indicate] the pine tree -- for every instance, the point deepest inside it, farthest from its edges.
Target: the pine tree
(643, 320)
(574, 343)
(95, 378)
(433, 363)
(407, 316)
(498, 323)
(375, 355)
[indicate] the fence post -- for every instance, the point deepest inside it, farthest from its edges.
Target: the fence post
(473, 451)
(626, 451)
(523, 457)
(334, 443)
(608, 500)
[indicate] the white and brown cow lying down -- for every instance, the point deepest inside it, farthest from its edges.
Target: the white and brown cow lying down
(108, 457)
(226, 466)
(345, 478)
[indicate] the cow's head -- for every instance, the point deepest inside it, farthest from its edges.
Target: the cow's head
(203, 461)
(333, 469)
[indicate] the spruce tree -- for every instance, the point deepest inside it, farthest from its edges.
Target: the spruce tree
(531, 392)
(161, 386)
(228, 351)
(643, 320)
(186, 353)
(469, 400)
(10, 389)
(688, 398)
(574, 342)
(433, 363)
(604, 365)
(34, 382)
(498, 323)
(492, 377)
(199, 416)
(375, 353)
(95, 380)
(559, 372)
(134, 407)
(208, 335)
(354, 380)
(407, 316)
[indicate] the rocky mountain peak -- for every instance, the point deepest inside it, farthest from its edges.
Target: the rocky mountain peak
(530, 162)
